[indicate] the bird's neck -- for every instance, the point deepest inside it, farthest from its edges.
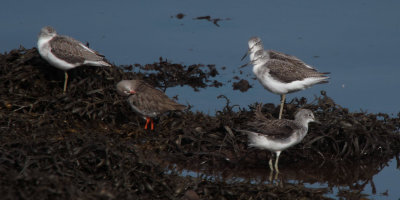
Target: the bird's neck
(258, 65)
(302, 122)
(304, 128)
(256, 48)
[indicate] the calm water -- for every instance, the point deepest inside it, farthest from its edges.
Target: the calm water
(357, 41)
(261, 176)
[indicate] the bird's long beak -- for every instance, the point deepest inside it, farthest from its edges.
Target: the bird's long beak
(245, 55)
(251, 62)
(316, 121)
(244, 65)
(132, 92)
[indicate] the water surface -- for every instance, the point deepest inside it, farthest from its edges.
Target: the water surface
(357, 41)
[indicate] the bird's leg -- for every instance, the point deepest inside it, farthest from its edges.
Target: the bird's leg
(147, 123)
(270, 176)
(270, 164)
(152, 124)
(271, 168)
(277, 160)
(65, 81)
(276, 176)
(282, 104)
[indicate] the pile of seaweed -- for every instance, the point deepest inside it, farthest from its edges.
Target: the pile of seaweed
(87, 143)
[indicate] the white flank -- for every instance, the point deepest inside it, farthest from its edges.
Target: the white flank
(278, 87)
(45, 51)
(262, 142)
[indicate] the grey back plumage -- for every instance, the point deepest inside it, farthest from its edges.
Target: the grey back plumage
(288, 58)
(147, 100)
(272, 128)
(73, 51)
(67, 49)
(288, 72)
(287, 68)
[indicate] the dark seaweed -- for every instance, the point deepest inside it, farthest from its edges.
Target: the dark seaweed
(88, 144)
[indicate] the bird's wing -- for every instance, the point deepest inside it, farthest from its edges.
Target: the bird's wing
(288, 58)
(273, 128)
(288, 72)
(73, 51)
(154, 100)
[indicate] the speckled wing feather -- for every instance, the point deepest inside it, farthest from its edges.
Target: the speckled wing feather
(288, 58)
(279, 129)
(151, 100)
(287, 72)
(73, 51)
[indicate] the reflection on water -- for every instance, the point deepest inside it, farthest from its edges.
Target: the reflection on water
(348, 180)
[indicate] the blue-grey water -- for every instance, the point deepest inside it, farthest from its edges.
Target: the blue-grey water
(357, 41)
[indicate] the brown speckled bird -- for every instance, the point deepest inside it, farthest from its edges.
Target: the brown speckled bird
(146, 100)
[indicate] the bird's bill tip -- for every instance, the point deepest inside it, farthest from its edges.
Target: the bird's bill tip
(316, 121)
(244, 65)
(245, 55)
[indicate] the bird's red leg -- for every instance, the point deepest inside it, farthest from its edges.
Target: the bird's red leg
(152, 124)
(147, 122)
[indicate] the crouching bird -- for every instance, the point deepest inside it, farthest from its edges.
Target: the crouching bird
(147, 101)
(277, 135)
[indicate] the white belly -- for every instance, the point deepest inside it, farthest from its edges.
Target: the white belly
(261, 142)
(278, 87)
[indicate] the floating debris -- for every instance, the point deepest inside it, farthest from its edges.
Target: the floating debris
(242, 85)
(180, 16)
(213, 20)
